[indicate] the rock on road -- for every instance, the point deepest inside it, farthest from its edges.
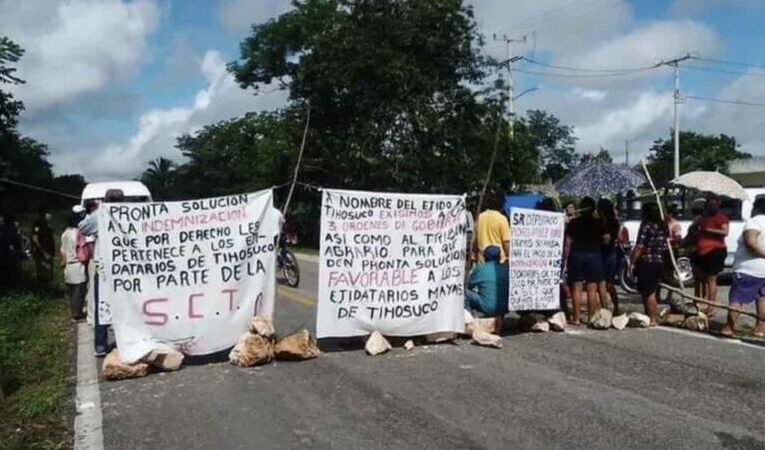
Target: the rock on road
(581, 389)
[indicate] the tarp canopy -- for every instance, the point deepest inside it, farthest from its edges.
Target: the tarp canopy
(529, 201)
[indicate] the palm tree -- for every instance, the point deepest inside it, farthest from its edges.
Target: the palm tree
(159, 177)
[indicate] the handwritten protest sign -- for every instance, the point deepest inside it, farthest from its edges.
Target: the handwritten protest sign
(391, 262)
(536, 253)
(187, 275)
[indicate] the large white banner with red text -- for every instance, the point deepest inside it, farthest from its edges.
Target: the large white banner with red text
(394, 263)
(187, 275)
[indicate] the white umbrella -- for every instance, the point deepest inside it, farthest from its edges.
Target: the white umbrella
(713, 182)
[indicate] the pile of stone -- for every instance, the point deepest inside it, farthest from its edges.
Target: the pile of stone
(604, 319)
(260, 346)
(257, 346)
(694, 322)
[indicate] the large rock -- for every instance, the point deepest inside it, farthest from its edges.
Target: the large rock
(673, 320)
(620, 322)
(252, 350)
(114, 369)
(262, 326)
(601, 320)
(165, 359)
(377, 344)
(558, 321)
(485, 339)
(491, 325)
(698, 322)
(534, 322)
(297, 347)
(638, 320)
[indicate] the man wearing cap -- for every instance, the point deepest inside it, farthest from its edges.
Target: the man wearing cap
(487, 289)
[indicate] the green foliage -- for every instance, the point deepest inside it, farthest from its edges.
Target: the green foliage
(35, 364)
(22, 158)
(698, 152)
(159, 177)
(554, 143)
(603, 156)
(386, 84)
(238, 155)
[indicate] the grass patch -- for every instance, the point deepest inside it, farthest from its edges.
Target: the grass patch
(35, 369)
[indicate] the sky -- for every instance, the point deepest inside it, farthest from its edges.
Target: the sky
(111, 84)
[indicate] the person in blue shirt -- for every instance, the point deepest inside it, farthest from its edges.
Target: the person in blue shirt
(487, 287)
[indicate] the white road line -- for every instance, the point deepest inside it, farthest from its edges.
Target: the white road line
(708, 336)
(307, 257)
(88, 434)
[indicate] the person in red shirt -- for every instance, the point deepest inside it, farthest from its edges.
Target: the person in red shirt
(711, 250)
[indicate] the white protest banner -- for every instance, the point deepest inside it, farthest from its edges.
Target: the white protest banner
(536, 254)
(394, 263)
(187, 275)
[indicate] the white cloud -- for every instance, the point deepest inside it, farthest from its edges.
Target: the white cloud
(648, 45)
(593, 95)
(744, 122)
(75, 47)
(238, 15)
(555, 26)
(159, 128)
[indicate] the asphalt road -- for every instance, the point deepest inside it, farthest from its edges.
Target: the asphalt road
(582, 389)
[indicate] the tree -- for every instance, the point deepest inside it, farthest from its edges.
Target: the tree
(387, 84)
(603, 156)
(698, 152)
(554, 144)
(159, 178)
(10, 53)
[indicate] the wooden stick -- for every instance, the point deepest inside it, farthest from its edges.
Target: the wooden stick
(707, 302)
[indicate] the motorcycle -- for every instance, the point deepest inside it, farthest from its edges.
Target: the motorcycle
(627, 279)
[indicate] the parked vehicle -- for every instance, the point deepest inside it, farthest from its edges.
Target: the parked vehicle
(134, 191)
(737, 211)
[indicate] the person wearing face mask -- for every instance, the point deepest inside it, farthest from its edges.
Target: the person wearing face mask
(711, 250)
(43, 246)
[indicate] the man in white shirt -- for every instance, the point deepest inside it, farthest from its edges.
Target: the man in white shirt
(749, 271)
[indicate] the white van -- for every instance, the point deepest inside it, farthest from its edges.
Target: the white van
(737, 211)
(134, 191)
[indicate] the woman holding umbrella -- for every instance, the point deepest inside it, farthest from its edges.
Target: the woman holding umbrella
(711, 250)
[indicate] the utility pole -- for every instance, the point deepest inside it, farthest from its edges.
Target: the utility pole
(675, 63)
(627, 152)
(510, 80)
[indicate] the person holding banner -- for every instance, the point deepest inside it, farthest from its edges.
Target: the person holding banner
(89, 227)
(648, 258)
(584, 262)
(487, 288)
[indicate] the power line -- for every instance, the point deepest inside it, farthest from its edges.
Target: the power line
(573, 75)
(722, 100)
(583, 69)
(730, 63)
(731, 72)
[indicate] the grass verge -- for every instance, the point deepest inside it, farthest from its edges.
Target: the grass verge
(36, 370)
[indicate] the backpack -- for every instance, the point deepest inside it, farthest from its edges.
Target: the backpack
(84, 249)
